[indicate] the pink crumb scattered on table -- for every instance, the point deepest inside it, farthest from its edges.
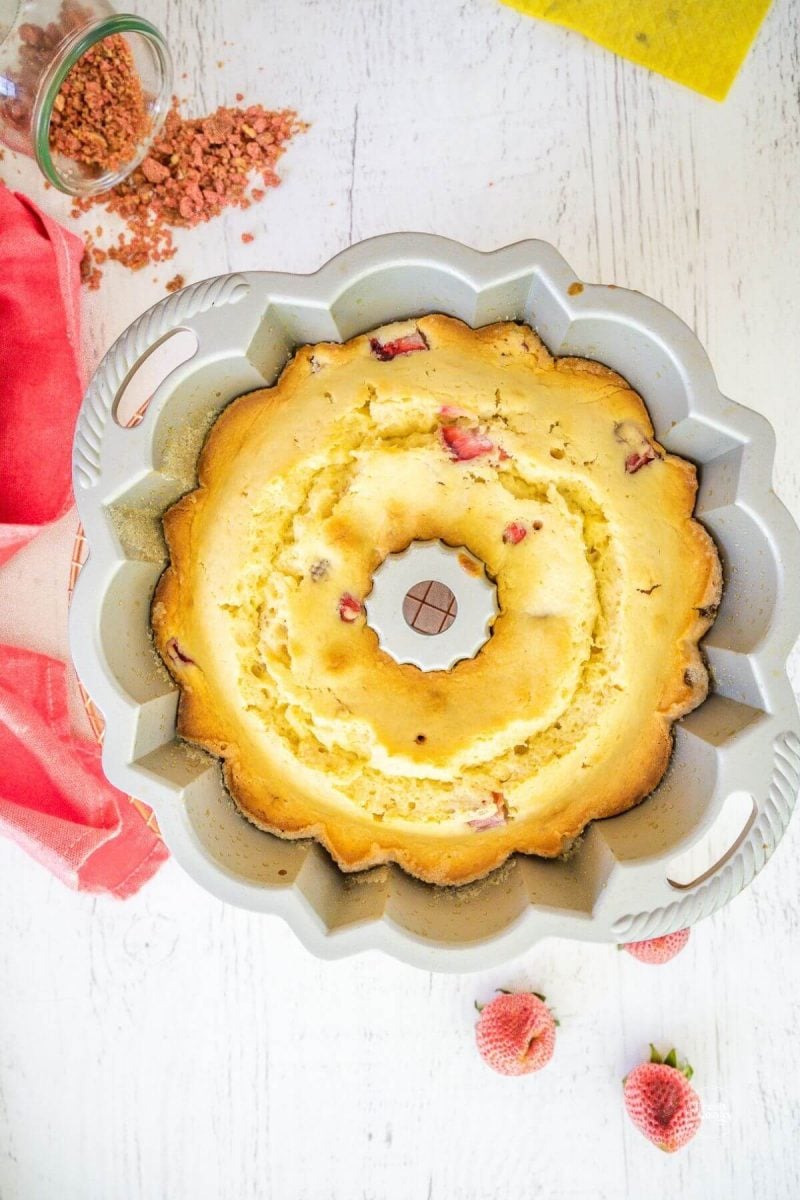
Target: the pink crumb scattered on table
(197, 167)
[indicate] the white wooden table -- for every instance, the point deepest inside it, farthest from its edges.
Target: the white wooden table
(173, 1047)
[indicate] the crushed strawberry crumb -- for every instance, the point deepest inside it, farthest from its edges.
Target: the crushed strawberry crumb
(247, 238)
(197, 167)
(99, 116)
(176, 283)
(91, 264)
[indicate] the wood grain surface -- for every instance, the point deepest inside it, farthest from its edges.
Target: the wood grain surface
(174, 1047)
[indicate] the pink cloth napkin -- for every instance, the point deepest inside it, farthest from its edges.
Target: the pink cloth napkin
(54, 800)
(41, 384)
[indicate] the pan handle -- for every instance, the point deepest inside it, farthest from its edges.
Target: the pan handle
(773, 809)
(126, 354)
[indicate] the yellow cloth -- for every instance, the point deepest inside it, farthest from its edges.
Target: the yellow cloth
(700, 43)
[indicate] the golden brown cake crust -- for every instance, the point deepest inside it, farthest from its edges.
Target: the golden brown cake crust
(565, 714)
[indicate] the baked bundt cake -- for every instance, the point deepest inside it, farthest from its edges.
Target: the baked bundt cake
(547, 471)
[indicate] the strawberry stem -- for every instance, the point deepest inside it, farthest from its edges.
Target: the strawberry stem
(671, 1060)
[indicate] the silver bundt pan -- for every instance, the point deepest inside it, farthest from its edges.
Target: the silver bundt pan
(615, 886)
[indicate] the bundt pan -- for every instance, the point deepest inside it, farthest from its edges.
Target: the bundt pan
(615, 885)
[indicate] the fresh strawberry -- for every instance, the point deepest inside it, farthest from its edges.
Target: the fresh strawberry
(464, 444)
(639, 458)
(514, 533)
(495, 815)
(641, 450)
(491, 821)
(177, 654)
(402, 345)
(661, 1102)
(516, 1033)
(660, 949)
(349, 608)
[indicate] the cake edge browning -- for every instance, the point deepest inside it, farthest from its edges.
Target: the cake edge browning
(360, 844)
